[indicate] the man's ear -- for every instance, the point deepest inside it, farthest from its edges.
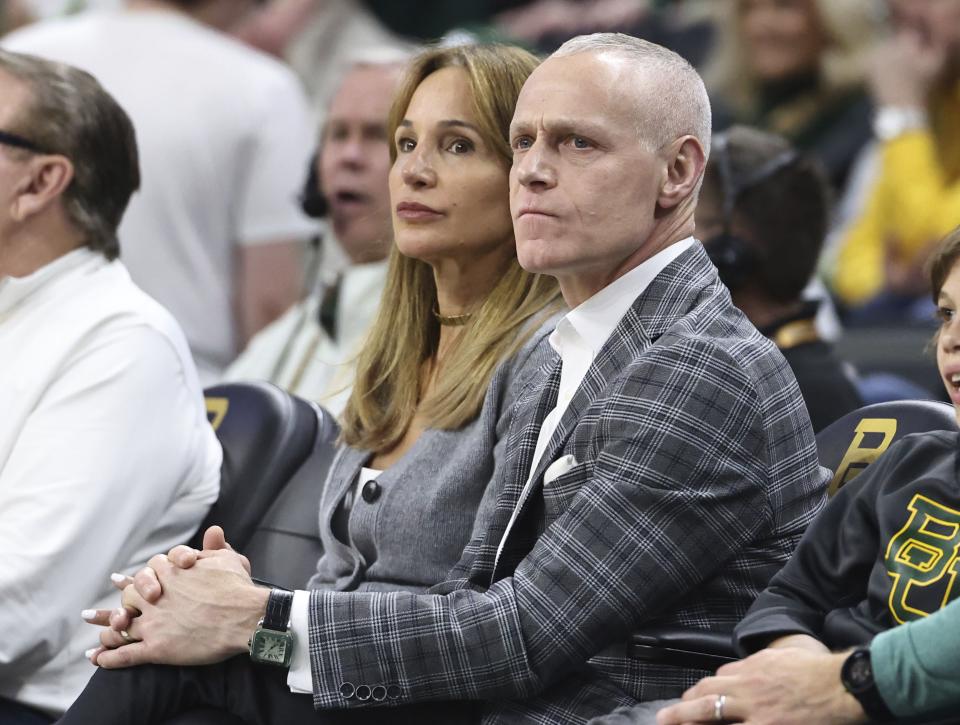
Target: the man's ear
(46, 180)
(685, 163)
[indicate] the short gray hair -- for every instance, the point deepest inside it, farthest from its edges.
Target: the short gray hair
(70, 114)
(676, 105)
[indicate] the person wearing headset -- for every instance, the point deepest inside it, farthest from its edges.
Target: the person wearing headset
(312, 348)
(762, 218)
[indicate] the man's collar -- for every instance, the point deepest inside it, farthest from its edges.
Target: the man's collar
(15, 289)
(595, 319)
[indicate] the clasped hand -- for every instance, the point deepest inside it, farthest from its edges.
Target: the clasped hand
(186, 607)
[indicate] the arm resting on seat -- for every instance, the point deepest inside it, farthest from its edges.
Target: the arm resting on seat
(683, 647)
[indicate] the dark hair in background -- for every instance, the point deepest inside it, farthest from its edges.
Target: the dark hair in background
(941, 262)
(782, 218)
(70, 114)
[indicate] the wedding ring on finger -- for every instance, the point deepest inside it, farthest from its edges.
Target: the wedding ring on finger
(718, 707)
(126, 637)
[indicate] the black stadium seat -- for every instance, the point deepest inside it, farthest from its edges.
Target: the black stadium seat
(285, 546)
(846, 447)
(266, 436)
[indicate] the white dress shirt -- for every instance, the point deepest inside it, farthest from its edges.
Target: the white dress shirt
(106, 458)
(222, 156)
(578, 338)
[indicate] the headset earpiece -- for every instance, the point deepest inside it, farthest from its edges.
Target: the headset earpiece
(312, 200)
(733, 256)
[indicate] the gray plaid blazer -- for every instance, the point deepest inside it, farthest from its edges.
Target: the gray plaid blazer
(697, 473)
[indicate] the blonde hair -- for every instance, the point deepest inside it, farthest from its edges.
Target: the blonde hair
(387, 391)
(850, 27)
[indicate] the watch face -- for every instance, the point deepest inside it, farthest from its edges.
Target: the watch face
(857, 672)
(860, 672)
(271, 647)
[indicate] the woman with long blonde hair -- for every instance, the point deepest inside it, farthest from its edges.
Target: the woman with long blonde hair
(460, 329)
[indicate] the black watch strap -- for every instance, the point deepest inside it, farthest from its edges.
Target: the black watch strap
(277, 616)
(857, 676)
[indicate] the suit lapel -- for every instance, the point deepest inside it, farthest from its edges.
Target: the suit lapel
(348, 467)
(532, 406)
(669, 296)
(674, 292)
(530, 414)
(614, 355)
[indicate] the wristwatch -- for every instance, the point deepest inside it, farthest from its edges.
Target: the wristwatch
(271, 642)
(857, 677)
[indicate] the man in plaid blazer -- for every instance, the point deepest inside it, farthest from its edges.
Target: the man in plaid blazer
(660, 470)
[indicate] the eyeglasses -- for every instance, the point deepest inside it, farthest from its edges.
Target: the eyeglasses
(11, 139)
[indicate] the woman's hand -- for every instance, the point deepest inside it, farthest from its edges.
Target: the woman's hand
(904, 69)
(206, 614)
(147, 585)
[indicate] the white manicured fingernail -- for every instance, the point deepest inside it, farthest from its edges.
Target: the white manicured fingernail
(117, 578)
(88, 614)
(89, 653)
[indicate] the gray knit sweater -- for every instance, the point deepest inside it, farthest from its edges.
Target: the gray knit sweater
(432, 500)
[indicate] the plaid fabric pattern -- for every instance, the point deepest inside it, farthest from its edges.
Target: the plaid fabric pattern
(697, 475)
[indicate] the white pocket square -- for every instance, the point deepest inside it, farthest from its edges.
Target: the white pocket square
(558, 468)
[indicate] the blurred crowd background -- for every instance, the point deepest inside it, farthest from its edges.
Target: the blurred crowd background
(869, 88)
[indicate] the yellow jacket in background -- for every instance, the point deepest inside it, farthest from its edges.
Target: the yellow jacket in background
(914, 202)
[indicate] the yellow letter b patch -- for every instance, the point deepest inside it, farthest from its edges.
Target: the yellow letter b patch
(921, 559)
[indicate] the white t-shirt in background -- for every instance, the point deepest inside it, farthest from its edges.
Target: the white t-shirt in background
(224, 137)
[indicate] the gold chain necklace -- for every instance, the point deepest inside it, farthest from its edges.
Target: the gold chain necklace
(452, 320)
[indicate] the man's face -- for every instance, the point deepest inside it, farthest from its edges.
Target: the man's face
(15, 97)
(355, 161)
(583, 186)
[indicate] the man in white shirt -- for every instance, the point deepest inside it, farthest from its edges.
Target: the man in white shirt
(660, 471)
(311, 350)
(215, 235)
(105, 451)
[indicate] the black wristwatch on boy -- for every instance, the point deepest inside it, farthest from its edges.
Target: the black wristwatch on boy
(857, 677)
(272, 640)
